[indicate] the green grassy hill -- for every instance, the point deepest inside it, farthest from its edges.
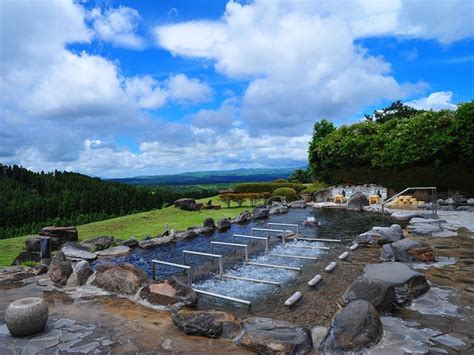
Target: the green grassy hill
(138, 225)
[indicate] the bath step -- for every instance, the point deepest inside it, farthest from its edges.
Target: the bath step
(293, 299)
(331, 266)
(315, 280)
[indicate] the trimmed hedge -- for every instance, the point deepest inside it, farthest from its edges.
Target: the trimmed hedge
(287, 192)
(259, 187)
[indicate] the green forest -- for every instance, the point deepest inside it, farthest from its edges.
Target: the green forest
(30, 201)
(398, 147)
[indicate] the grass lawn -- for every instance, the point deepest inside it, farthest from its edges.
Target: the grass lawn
(138, 225)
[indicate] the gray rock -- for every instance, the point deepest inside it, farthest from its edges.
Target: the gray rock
(12, 274)
(151, 243)
(278, 209)
(187, 204)
(407, 283)
(243, 217)
(98, 243)
(470, 201)
(407, 251)
(381, 235)
(265, 335)
(25, 256)
(357, 201)
(26, 316)
(75, 251)
(317, 336)
(189, 233)
(423, 228)
(200, 230)
(83, 271)
(379, 293)
(406, 215)
(209, 222)
(33, 244)
(60, 269)
(131, 242)
(59, 235)
(223, 224)
(114, 251)
(465, 208)
(209, 324)
(355, 327)
(122, 279)
(416, 220)
(260, 212)
(322, 195)
(298, 204)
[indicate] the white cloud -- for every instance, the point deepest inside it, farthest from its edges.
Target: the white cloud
(186, 90)
(300, 57)
(153, 94)
(435, 101)
(117, 26)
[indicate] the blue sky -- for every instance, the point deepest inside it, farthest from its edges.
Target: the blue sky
(124, 88)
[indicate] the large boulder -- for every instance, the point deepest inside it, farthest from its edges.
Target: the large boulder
(298, 204)
(423, 228)
(26, 316)
(60, 269)
(407, 283)
(209, 324)
(114, 251)
(379, 293)
(357, 201)
(98, 243)
(353, 328)
(322, 195)
(223, 224)
(470, 201)
(187, 204)
(278, 209)
(381, 235)
(75, 251)
(243, 217)
(190, 233)
(406, 215)
(171, 292)
(59, 235)
(26, 256)
(260, 212)
(408, 250)
(123, 279)
(33, 244)
(81, 273)
(17, 273)
(265, 335)
(154, 242)
(131, 242)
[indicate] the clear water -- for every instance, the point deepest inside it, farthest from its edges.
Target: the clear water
(335, 224)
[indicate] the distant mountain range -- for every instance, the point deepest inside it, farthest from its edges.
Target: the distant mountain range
(210, 177)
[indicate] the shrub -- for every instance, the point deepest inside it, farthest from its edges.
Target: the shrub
(277, 181)
(315, 187)
(261, 187)
(287, 192)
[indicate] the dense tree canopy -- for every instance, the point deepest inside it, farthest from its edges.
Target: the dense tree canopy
(30, 201)
(394, 139)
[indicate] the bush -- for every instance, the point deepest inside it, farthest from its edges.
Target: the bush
(287, 192)
(315, 187)
(261, 187)
(277, 181)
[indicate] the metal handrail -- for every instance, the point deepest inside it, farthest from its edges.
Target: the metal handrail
(434, 207)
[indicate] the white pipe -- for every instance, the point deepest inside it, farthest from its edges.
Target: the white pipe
(274, 266)
(354, 246)
(331, 267)
(238, 300)
(293, 299)
(320, 240)
(295, 256)
(315, 280)
(344, 255)
(228, 276)
(306, 247)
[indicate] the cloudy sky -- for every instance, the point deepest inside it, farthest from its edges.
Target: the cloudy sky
(126, 88)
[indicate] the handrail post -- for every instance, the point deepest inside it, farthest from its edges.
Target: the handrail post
(153, 271)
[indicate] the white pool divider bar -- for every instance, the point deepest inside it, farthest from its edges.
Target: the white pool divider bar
(306, 247)
(315, 280)
(354, 246)
(331, 266)
(269, 230)
(286, 225)
(295, 256)
(228, 298)
(293, 299)
(344, 255)
(233, 245)
(180, 266)
(274, 266)
(267, 282)
(221, 267)
(253, 238)
(321, 240)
